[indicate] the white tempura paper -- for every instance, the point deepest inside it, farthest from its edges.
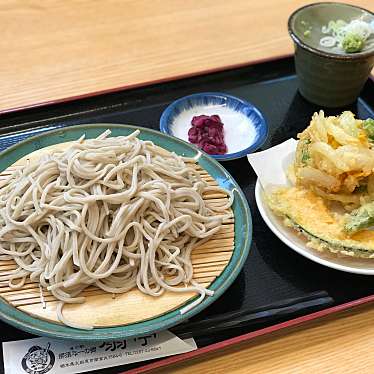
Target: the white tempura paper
(44, 355)
(271, 165)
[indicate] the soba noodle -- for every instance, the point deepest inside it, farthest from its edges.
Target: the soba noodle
(114, 212)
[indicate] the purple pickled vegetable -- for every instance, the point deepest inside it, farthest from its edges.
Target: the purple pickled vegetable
(207, 133)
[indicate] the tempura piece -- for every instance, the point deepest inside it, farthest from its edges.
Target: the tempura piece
(360, 219)
(335, 158)
(324, 229)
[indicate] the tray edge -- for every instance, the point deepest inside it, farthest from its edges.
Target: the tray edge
(249, 336)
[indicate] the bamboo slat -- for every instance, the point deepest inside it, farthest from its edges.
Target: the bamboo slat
(102, 309)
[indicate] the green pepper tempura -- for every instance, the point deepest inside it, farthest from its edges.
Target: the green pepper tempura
(360, 219)
(368, 126)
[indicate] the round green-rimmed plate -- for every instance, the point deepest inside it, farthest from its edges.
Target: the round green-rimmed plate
(242, 235)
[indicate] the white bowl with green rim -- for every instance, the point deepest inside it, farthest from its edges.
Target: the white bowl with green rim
(243, 236)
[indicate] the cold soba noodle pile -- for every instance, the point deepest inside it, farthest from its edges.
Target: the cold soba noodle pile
(117, 213)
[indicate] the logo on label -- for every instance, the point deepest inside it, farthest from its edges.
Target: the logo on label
(38, 360)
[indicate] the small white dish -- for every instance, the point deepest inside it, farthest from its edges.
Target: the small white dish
(245, 128)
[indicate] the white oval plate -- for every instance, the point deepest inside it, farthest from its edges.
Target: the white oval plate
(297, 242)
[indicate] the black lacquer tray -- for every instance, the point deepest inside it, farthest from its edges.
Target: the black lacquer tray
(277, 287)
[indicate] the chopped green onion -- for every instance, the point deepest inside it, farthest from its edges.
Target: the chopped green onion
(350, 37)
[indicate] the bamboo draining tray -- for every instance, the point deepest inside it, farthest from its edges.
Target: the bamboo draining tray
(101, 309)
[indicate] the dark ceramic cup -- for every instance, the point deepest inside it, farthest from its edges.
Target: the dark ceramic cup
(326, 78)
